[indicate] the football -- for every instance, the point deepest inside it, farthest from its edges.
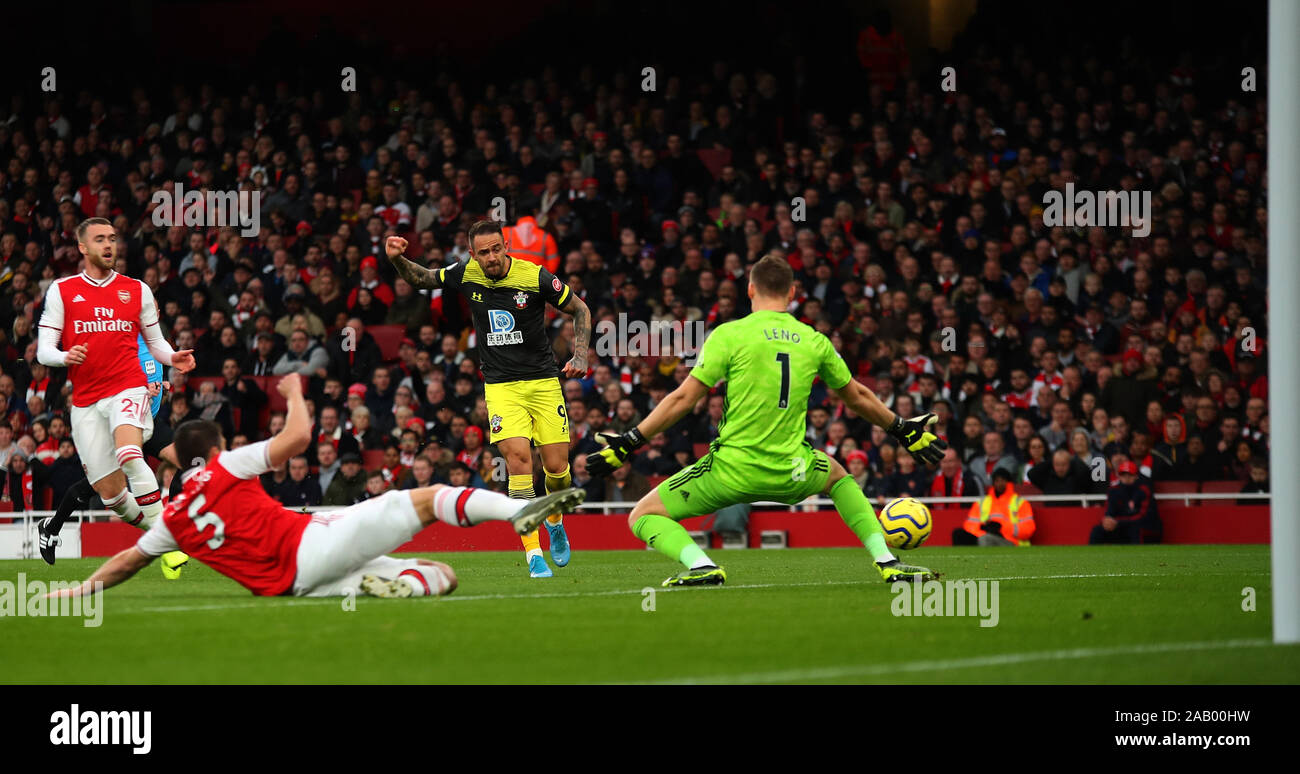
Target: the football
(906, 522)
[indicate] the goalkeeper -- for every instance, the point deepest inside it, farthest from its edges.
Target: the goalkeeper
(769, 360)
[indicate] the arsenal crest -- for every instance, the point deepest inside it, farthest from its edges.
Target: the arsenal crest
(521, 299)
(124, 296)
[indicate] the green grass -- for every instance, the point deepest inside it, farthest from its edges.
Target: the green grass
(1154, 614)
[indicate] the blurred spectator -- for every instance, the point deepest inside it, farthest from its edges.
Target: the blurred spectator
(327, 461)
(1063, 474)
(952, 480)
(299, 489)
(1258, 482)
(349, 485)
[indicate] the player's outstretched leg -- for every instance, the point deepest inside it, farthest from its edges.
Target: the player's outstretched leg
(673, 541)
(462, 506)
(858, 514)
(560, 548)
(76, 498)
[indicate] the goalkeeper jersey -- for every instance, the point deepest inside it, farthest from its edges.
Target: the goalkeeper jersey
(769, 361)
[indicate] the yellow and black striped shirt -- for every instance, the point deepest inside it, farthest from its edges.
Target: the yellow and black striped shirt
(510, 317)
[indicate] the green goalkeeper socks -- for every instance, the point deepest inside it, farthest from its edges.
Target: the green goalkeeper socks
(670, 539)
(861, 517)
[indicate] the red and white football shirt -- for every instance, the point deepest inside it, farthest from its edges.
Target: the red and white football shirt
(106, 316)
(224, 518)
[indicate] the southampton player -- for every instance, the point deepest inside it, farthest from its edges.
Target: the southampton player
(99, 315)
(157, 443)
(508, 299)
(768, 360)
(224, 518)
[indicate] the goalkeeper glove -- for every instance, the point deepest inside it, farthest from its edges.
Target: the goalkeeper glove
(915, 435)
(617, 449)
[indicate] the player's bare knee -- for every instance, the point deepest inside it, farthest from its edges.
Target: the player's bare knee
(110, 485)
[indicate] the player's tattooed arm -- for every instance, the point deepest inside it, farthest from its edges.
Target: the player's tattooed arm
(417, 275)
(577, 365)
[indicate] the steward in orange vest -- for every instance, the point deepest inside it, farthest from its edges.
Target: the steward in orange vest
(529, 242)
(1001, 518)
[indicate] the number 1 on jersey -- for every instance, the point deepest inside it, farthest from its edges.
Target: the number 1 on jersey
(784, 359)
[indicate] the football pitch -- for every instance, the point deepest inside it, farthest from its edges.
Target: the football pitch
(1150, 614)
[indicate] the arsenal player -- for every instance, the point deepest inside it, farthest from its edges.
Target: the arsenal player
(224, 518)
(90, 325)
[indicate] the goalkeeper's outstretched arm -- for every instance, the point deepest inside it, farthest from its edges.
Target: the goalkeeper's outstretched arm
(865, 403)
(914, 434)
(673, 407)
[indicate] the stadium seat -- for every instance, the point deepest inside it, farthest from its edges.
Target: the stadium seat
(389, 338)
(274, 400)
(1177, 487)
(714, 160)
(657, 480)
(700, 449)
(372, 459)
(1027, 489)
(1219, 487)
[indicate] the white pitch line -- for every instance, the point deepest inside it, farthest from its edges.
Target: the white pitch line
(624, 592)
(879, 670)
(236, 606)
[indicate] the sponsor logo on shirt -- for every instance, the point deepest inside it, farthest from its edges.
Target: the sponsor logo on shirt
(502, 324)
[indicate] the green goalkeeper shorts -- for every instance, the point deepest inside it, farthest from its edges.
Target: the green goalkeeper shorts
(702, 489)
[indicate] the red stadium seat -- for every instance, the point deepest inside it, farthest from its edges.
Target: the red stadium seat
(1219, 487)
(372, 459)
(714, 160)
(274, 400)
(1177, 487)
(1027, 489)
(700, 449)
(389, 338)
(657, 480)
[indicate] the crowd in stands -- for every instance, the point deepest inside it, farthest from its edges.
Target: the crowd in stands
(914, 220)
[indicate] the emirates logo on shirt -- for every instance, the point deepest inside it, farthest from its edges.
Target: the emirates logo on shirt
(124, 296)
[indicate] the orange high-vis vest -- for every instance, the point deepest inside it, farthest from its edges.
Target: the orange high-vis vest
(1016, 516)
(528, 241)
